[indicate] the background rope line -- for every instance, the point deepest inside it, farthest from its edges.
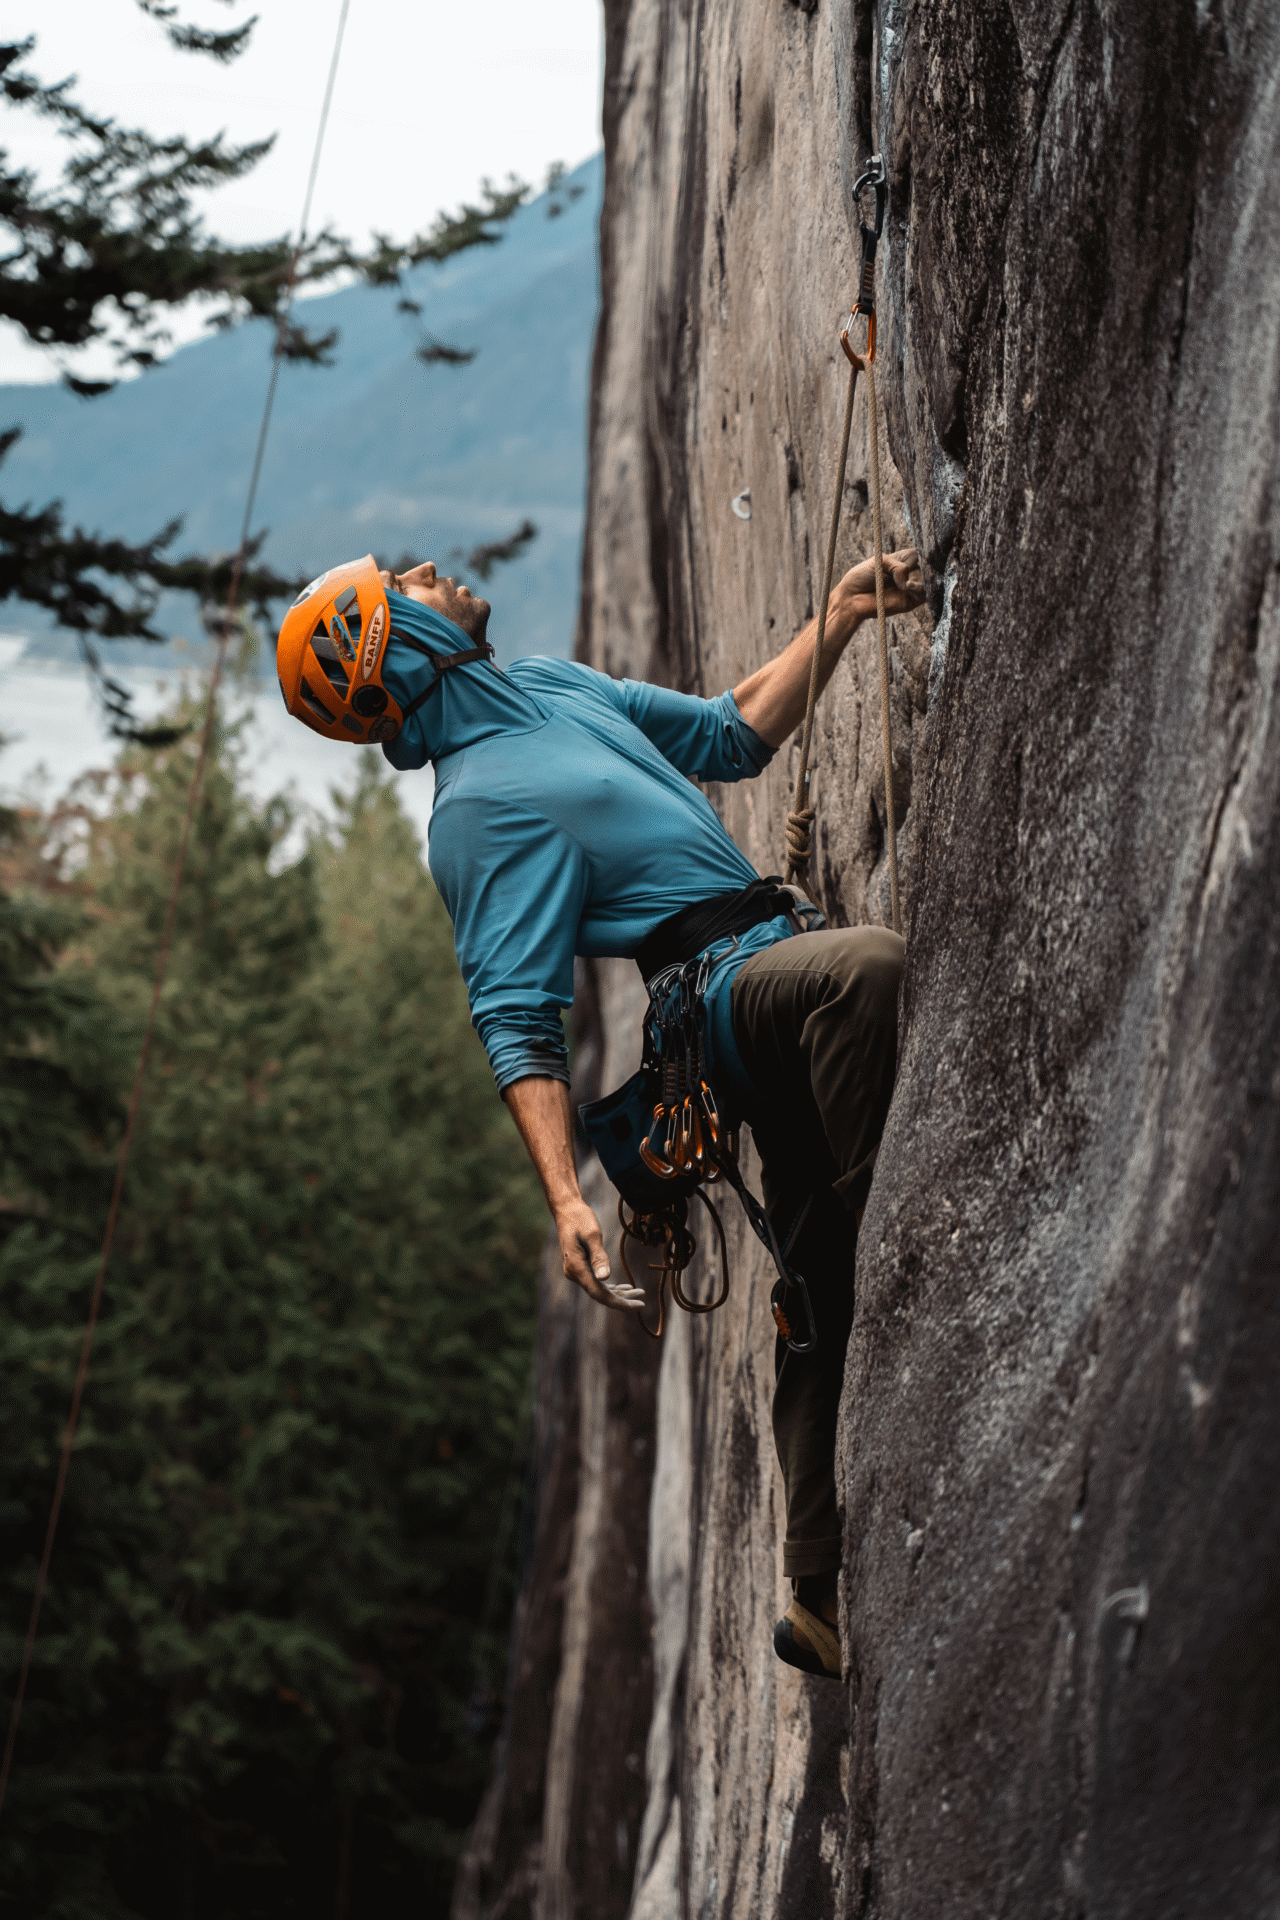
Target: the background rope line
(226, 626)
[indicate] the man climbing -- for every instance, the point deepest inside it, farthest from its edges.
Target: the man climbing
(564, 822)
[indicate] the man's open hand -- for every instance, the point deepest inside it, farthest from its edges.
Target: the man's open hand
(903, 583)
(585, 1260)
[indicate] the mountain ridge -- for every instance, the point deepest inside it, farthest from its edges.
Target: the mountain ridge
(378, 449)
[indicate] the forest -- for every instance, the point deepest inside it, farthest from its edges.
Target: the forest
(272, 1651)
(271, 1655)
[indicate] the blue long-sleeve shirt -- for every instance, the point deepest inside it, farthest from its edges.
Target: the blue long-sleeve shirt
(564, 821)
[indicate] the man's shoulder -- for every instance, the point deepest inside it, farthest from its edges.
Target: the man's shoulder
(541, 675)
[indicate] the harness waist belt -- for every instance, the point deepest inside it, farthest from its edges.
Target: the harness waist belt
(691, 930)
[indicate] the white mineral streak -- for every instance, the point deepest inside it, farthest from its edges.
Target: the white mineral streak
(658, 1855)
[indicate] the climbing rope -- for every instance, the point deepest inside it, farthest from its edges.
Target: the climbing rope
(801, 817)
(225, 627)
(883, 638)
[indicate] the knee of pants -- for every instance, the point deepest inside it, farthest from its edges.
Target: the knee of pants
(865, 998)
(878, 976)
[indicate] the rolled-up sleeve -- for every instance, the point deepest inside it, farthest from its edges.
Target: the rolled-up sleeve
(515, 887)
(705, 739)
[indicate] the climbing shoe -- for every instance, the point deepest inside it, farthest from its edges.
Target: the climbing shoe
(805, 1640)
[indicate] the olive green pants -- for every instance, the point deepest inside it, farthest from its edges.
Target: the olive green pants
(816, 1022)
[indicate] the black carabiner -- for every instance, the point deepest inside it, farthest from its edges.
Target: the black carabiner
(800, 1336)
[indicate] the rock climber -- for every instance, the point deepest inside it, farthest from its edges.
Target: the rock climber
(565, 821)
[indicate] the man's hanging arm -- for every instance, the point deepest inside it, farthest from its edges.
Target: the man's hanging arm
(540, 1109)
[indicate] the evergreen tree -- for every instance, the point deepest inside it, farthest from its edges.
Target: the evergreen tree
(250, 1687)
(105, 255)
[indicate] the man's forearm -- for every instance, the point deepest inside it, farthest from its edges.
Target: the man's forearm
(773, 699)
(540, 1108)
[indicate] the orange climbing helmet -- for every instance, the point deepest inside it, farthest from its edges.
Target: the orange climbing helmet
(330, 652)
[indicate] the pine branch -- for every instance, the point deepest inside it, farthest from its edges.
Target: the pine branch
(483, 559)
(433, 351)
(117, 241)
(450, 233)
(223, 47)
(118, 235)
(47, 565)
(295, 343)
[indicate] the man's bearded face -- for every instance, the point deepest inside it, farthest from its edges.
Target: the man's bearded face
(434, 590)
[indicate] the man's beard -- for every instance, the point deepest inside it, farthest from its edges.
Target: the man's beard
(472, 615)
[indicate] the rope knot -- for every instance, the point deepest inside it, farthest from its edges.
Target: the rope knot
(799, 849)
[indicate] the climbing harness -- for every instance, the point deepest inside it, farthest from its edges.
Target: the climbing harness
(337, 631)
(664, 1136)
(801, 817)
(693, 929)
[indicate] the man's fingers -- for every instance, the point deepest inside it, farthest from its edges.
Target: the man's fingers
(592, 1244)
(622, 1295)
(901, 573)
(586, 1262)
(612, 1293)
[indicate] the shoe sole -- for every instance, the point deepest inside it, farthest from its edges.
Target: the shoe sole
(804, 1641)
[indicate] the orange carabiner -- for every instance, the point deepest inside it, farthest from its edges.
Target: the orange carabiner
(651, 1153)
(866, 358)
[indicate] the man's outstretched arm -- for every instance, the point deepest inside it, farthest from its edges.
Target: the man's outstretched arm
(772, 700)
(540, 1109)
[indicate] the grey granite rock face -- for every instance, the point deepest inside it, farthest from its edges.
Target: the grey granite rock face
(1062, 1415)
(1060, 1442)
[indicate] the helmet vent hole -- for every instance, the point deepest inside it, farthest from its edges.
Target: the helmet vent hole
(348, 605)
(342, 639)
(316, 706)
(330, 660)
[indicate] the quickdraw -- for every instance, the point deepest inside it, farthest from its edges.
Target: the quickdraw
(685, 1131)
(669, 1230)
(874, 176)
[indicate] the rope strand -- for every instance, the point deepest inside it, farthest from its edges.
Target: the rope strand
(883, 638)
(800, 819)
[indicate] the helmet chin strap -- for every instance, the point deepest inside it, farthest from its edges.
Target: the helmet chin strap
(442, 662)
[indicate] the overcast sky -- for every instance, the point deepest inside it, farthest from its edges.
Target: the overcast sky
(430, 97)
